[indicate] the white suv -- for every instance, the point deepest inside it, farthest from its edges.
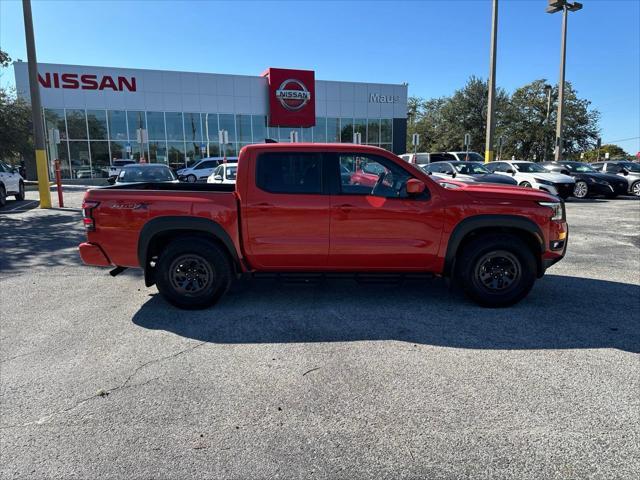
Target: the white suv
(201, 170)
(534, 175)
(225, 174)
(11, 183)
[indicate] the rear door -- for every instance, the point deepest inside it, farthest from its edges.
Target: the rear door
(380, 228)
(287, 212)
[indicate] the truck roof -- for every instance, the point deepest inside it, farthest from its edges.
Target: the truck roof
(315, 146)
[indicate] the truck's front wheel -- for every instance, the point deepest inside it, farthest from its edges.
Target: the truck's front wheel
(193, 273)
(496, 270)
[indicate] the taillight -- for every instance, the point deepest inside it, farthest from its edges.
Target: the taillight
(87, 215)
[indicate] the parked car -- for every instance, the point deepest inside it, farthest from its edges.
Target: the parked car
(533, 175)
(11, 183)
(225, 173)
(588, 180)
(292, 210)
(420, 158)
(630, 171)
(467, 172)
(455, 157)
(116, 166)
(424, 158)
(202, 169)
(144, 173)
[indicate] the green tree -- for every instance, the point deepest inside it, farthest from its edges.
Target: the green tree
(614, 151)
(521, 121)
(15, 121)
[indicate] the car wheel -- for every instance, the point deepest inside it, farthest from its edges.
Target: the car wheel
(191, 178)
(3, 196)
(20, 195)
(635, 189)
(525, 184)
(496, 270)
(193, 273)
(581, 189)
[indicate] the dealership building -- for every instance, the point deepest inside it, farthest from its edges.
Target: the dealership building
(94, 115)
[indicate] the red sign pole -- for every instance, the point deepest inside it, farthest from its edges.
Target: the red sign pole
(59, 183)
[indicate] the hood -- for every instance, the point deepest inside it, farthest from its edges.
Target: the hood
(553, 177)
(495, 178)
(504, 193)
(609, 177)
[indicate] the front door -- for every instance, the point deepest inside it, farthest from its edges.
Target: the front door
(378, 227)
(287, 212)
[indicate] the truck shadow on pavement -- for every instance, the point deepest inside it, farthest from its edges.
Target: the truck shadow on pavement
(560, 313)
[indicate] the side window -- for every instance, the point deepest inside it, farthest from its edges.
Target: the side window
(597, 166)
(372, 175)
(613, 168)
(289, 172)
(422, 158)
(451, 157)
(217, 171)
(494, 167)
(435, 157)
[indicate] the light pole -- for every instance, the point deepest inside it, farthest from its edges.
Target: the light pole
(491, 121)
(548, 89)
(565, 7)
(42, 169)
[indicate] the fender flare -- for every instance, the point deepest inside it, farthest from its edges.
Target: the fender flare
(476, 222)
(159, 225)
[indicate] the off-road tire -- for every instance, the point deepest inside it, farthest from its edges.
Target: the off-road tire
(208, 261)
(471, 268)
(20, 195)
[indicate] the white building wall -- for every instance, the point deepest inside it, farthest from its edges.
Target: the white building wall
(208, 92)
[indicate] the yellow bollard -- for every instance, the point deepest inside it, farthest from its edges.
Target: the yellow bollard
(43, 179)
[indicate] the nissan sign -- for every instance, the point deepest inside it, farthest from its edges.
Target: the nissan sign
(87, 81)
(292, 100)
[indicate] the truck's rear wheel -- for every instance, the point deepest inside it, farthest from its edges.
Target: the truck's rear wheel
(193, 273)
(496, 270)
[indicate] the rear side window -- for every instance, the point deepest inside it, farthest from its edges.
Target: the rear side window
(422, 158)
(289, 172)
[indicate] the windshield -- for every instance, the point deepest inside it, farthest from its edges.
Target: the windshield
(579, 167)
(231, 173)
(530, 168)
(470, 168)
(146, 174)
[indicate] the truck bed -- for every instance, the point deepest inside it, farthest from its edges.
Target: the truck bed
(177, 187)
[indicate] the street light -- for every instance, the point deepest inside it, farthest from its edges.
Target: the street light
(491, 121)
(566, 7)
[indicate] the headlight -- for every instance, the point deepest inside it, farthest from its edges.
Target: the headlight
(542, 182)
(558, 210)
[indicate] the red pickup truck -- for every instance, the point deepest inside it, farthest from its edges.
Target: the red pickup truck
(305, 208)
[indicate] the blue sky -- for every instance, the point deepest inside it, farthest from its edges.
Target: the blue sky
(432, 45)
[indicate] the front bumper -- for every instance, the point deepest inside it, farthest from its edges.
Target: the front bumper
(92, 254)
(616, 188)
(553, 255)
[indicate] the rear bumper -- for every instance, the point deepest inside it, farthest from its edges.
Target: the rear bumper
(92, 254)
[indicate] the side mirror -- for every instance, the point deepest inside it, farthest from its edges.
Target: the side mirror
(511, 171)
(415, 186)
(565, 172)
(624, 171)
(218, 177)
(111, 180)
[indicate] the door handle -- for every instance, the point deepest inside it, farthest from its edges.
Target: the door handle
(264, 206)
(345, 207)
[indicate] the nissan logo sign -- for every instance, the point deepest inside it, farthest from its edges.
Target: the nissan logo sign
(293, 95)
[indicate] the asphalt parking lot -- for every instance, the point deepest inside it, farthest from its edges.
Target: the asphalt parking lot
(99, 378)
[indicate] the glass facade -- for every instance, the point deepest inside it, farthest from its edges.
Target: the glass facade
(90, 140)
